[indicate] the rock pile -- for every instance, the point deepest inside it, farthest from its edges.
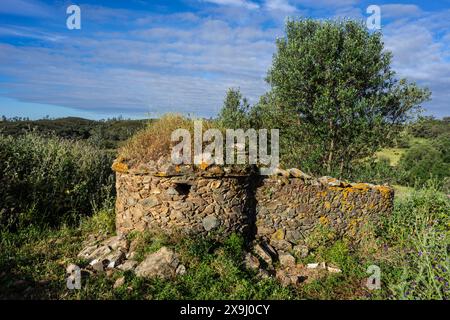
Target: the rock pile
(283, 266)
(115, 253)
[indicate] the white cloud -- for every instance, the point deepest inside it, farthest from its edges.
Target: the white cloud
(185, 61)
(326, 4)
(160, 68)
(280, 5)
(400, 11)
(419, 57)
(28, 8)
(24, 32)
(349, 13)
(237, 3)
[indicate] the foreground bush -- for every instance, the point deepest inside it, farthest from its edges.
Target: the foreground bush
(418, 242)
(48, 180)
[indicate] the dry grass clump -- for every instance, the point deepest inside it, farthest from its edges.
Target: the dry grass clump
(154, 141)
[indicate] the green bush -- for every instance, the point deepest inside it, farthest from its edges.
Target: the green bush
(442, 144)
(375, 171)
(403, 140)
(49, 180)
(234, 113)
(429, 127)
(424, 162)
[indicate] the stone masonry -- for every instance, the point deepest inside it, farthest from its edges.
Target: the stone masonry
(285, 209)
(290, 210)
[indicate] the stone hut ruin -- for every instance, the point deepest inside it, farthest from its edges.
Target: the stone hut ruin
(285, 210)
(180, 200)
(283, 217)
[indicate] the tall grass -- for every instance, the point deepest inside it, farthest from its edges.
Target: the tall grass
(154, 141)
(419, 233)
(49, 180)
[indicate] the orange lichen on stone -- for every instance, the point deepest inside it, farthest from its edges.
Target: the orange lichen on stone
(327, 205)
(361, 186)
(203, 165)
(343, 191)
(161, 174)
(321, 194)
(215, 170)
(348, 207)
(324, 220)
(120, 167)
(354, 226)
(385, 191)
(278, 235)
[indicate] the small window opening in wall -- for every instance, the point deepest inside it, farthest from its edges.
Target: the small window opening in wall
(183, 188)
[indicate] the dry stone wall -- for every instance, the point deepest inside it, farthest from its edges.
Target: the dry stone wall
(182, 202)
(287, 209)
(292, 211)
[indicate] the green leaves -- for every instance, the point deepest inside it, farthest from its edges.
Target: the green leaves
(234, 113)
(335, 78)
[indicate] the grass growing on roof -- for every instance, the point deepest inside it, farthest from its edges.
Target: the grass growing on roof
(154, 141)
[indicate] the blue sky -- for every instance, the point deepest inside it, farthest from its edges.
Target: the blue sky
(139, 58)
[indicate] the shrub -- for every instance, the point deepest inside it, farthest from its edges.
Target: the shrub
(234, 113)
(418, 231)
(49, 180)
(377, 172)
(429, 127)
(442, 144)
(422, 163)
(403, 140)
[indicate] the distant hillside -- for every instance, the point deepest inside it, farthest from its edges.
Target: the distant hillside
(106, 134)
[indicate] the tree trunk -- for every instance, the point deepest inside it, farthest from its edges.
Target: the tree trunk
(331, 152)
(341, 167)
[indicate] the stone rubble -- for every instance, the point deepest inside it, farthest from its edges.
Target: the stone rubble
(286, 260)
(115, 254)
(264, 253)
(251, 262)
(162, 263)
(128, 265)
(181, 270)
(119, 282)
(111, 254)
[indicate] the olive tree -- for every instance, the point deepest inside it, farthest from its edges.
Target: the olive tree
(332, 83)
